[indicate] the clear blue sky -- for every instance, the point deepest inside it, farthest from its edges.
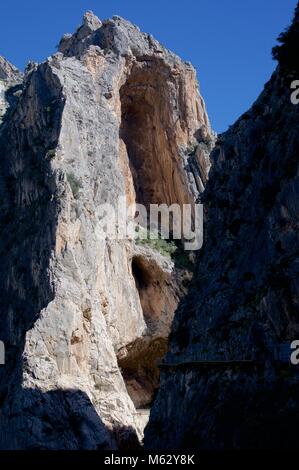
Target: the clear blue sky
(228, 41)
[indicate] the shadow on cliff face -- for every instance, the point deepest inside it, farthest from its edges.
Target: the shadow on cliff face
(59, 420)
(29, 206)
(28, 217)
(229, 410)
(243, 306)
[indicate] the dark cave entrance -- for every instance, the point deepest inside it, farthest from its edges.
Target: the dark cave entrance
(148, 278)
(140, 366)
(141, 274)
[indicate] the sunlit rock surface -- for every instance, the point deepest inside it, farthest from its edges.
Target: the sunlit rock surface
(85, 321)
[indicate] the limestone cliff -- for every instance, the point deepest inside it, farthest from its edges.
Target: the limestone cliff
(86, 320)
(10, 78)
(229, 360)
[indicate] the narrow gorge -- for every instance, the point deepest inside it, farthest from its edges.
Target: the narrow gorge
(114, 343)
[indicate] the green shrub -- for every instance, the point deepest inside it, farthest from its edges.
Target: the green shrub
(165, 247)
(51, 154)
(170, 248)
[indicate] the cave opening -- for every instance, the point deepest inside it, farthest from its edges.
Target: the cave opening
(150, 113)
(141, 275)
(148, 132)
(150, 283)
(140, 366)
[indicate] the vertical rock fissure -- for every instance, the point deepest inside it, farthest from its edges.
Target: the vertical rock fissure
(157, 176)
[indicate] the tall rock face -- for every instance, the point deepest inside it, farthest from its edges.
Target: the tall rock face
(10, 81)
(228, 366)
(85, 320)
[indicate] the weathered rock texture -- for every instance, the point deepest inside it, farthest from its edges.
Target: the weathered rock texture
(10, 77)
(227, 381)
(112, 114)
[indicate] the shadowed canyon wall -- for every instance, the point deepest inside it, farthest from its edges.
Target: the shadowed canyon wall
(228, 365)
